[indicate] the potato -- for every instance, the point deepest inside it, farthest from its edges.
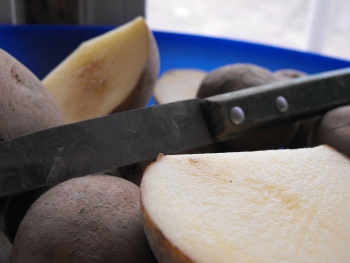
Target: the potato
(234, 77)
(5, 248)
(143, 91)
(241, 76)
(16, 208)
(178, 84)
(113, 72)
(88, 219)
(26, 106)
(264, 206)
(289, 74)
(333, 129)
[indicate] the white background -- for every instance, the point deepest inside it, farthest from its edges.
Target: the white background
(280, 23)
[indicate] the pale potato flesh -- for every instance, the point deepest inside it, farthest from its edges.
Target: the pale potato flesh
(101, 72)
(178, 84)
(266, 206)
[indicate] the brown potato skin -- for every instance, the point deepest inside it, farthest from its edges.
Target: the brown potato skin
(289, 74)
(95, 218)
(25, 104)
(234, 77)
(5, 248)
(163, 249)
(241, 76)
(17, 207)
(143, 91)
(333, 129)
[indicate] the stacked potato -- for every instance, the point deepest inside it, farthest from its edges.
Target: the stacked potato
(188, 201)
(93, 218)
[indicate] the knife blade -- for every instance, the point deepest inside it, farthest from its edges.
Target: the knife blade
(61, 153)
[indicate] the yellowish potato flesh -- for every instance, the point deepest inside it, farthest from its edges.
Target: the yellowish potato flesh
(101, 72)
(267, 206)
(178, 84)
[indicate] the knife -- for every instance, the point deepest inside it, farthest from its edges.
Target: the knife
(61, 153)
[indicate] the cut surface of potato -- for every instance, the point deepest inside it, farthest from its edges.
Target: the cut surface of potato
(266, 206)
(101, 72)
(178, 84)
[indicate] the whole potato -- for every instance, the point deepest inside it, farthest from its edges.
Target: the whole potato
(17, 207)
(289, 74)
(5, 248)
(25, 104)
(241, 76)
(333, 129)
(234, 77)
(95, 218)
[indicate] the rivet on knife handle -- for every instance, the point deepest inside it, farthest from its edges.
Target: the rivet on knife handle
(276, 103)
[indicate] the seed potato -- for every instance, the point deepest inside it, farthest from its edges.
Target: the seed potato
(95, 218)
(241, 76)
(289, 74)
(25, 104)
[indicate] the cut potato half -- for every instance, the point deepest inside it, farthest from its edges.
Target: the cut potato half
(101, 73)
(178, 84)
(266, 206)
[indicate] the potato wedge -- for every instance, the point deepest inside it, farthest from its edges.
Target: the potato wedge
(112, 72)
(178, 84)
(265, 206)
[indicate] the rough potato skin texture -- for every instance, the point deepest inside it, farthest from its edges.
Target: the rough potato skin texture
(333, 129)
(143, 91)
(241, 76)
(5, 248)
(163, 249)
(234, 77)
(88, 219)
(17, 207)
(289, 74)
(25, 104)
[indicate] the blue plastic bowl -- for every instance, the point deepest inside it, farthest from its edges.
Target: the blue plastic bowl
(41, 48)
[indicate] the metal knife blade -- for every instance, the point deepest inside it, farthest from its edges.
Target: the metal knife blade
(58, 154)
(73, 150)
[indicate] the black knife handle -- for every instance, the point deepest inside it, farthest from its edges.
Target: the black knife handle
(277, 103)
